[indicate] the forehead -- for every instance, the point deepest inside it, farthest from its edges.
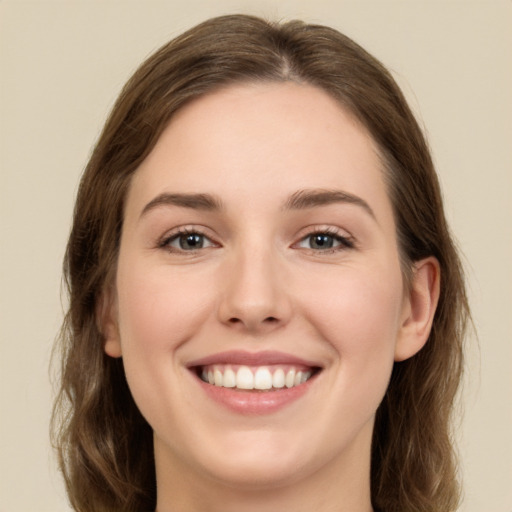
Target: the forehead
(265, 139)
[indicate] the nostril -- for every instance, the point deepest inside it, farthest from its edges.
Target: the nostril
(268, 320)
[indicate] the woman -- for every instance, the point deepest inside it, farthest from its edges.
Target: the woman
(266, 307)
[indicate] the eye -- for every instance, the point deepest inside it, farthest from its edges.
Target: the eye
(187, 241)
(325, 241)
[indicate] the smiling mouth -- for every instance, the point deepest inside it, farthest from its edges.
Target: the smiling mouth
(255, 378)
(255, 383)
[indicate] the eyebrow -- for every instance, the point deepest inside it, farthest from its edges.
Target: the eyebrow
(300, 200)
(310, 198)
(204, 202)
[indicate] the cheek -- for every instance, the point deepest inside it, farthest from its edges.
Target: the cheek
(360, 319)
(357, 304)
(159, 310)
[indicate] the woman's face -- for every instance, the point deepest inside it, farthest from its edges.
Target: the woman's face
(259, 250)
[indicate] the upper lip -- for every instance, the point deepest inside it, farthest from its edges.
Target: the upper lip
(262, 358)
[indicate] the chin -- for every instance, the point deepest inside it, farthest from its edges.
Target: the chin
(255, 460)
(265, 473)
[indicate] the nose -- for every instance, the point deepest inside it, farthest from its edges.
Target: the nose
(255, 297)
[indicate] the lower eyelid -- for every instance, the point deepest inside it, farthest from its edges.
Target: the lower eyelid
(166, 240)
(176, 238)
(345, 240)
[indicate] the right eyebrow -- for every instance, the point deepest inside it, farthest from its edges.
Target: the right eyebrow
(195, 201)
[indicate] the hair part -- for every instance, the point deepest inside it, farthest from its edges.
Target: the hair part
(105, 446)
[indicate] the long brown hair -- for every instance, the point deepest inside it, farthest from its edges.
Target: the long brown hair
(104, 444)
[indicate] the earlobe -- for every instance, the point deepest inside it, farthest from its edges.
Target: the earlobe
(106, 319)
(419, 308)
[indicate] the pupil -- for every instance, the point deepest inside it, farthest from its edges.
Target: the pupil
(191, 241)
(322, 242)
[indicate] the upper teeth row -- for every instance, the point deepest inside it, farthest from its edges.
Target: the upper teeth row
(262, 378)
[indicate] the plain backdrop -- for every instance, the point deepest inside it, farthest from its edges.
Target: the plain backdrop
(62, 63)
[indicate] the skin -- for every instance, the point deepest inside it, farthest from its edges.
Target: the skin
(259, 284)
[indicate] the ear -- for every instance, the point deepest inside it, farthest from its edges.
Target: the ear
(419, 308)
(106, 319)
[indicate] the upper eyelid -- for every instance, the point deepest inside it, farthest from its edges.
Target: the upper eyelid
(300, 235)
(324, 228)
(347, 239)
(183, 230)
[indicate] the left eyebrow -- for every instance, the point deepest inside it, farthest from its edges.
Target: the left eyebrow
(310, 198)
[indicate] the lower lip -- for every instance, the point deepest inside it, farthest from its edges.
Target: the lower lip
(255, 402)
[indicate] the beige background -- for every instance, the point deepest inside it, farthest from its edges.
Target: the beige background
(63, 63)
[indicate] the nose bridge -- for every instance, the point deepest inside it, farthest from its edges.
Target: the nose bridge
(254, 296)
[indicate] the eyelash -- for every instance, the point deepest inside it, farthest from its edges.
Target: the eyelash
(181, 232)
(343, 241)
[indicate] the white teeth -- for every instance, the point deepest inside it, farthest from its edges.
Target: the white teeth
(244, 378)
(278, 379)
(229, 378)
(262, 378)
(217, 377)
(290, 379)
